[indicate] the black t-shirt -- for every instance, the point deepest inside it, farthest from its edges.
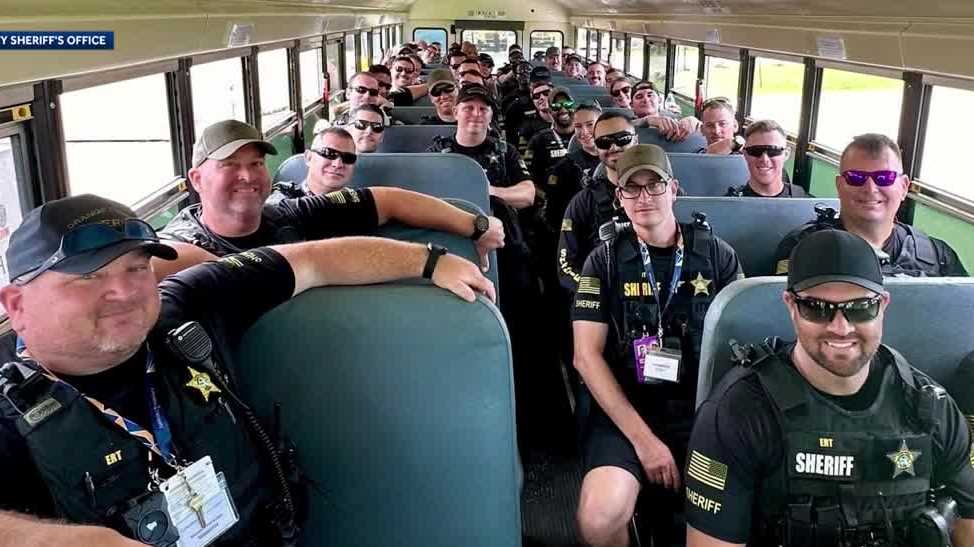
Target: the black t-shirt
(211, 293)
(788, 191)
(502, 170)
(401, 97)
(740, 431)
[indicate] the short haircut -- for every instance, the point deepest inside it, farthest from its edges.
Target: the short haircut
(368, 108)
(457, 53)
(612, 71)
(764, 126)
(380, 69)
(589, 106)
(339, 132)
(403, 59)
(613, 115)
(644, 84)
(351, 81)
(539, 83)
(873, 145)
(622, 80)
(593, 63)
(718, 102)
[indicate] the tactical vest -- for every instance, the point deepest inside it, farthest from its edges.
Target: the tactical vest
(187, 227)
(919, 256)
(683, 323)
(70, 440)
(847, 477)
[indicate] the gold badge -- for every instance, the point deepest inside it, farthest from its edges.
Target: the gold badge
(903, 460)
(201, 381)
(700, 285)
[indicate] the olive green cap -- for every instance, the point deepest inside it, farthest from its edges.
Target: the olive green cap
(440, 75)
(644, 157)
(220, 140)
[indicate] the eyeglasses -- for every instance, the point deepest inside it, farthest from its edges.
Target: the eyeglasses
(758, 150)
(621, 91)
(362, 90)
(91, 237)
(403, 69)
(620, 139)
(566, 104)
(330, 154)
(540, 94)
(362, 125)
(442, 89)
(859, 310)
(632, 191)
(884, 178)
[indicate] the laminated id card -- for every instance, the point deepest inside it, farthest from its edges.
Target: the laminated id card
(655, 364)
(200, 504)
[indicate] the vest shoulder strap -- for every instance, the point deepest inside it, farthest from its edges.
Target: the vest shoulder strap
(783, 384)
(924, 248)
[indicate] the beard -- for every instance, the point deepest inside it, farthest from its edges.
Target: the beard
(840, 362)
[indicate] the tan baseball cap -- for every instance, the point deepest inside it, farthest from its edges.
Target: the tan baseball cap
(440, 76)
(220, 140)
(644, 157)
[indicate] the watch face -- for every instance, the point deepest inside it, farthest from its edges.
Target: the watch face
(481, 224)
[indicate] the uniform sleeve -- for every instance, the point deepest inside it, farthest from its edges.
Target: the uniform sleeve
(961, 387)
(345, 212)
(954, 465)
(570, 258)
(728, 266)
(21, 488)
(592, 296)
(951, 265)
(534, 159)
(556, 183)
(517, 171)
(401, 98)
(729, 454)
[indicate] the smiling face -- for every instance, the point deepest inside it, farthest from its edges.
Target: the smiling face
(869, 203)
(366, 140)
(584, 123)
(446, 100)
(402, 73)
(361, 89)
(644, 210)
(610, 157)
(717, 123)
(645, 102)
(235, 187)
(620, 90)
(766, 171)
(473, 116)
(326, 175)
(595, 74)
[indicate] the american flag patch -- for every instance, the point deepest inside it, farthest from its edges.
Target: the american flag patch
(589, 285)
(708, 471)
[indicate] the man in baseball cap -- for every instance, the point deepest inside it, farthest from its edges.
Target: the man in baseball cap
(222, 139)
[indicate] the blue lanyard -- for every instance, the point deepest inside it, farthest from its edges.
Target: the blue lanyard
(160, 425)
(674, 281)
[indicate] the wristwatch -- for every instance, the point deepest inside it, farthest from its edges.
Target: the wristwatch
(435, 252)
(480, 226)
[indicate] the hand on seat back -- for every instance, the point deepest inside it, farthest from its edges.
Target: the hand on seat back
(462, 278)
(492, 239)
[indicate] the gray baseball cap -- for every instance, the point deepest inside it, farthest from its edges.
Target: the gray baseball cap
(220, 140)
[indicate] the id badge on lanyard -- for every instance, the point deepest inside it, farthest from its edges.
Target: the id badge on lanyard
(654, 363)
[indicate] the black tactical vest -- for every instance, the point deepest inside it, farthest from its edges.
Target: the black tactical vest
(848, 477)
(69, 439)
(187, 227)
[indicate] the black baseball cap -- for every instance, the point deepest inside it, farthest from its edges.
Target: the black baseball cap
(486, 59)
(38, 237)
(473, 91)
(540, 73)
(834, 255)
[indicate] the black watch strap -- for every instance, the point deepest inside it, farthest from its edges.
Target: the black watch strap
(435, 252)
(480, 226)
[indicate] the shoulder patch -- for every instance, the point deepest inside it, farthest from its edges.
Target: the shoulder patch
(566, 225)
(552, 180)
(343, 196)
(589, 285)
(782, 267)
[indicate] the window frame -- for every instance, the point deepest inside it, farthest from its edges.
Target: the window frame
(446, 42)
(531, 38)
(292, 117)
(308, 44)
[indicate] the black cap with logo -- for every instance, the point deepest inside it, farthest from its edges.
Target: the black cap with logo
(834, 256)
(470, 92)
(38, 238)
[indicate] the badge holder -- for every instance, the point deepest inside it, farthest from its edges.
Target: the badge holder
(654, 363)
(200, 504)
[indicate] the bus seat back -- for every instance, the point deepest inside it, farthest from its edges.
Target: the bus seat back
(413, 138)
(708, 174)
(434, 174)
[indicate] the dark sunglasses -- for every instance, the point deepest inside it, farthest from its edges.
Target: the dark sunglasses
(362, 125)
(442, 89)
(566, 104)
(91, 237)
(632, 191)
(621, 91)
(860, 310)
(362, 90)
(403, 69)
(330, 154)
(472, 71)
(757, 150)
(620, 139)
(540, 94)
(456, 66)
(855, 177)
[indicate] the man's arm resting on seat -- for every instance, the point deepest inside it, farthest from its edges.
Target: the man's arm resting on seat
(18, 530)
(189, 255)
(418, 91)
(519, 196)
(368, 260)
(422, 211)
(696, 538)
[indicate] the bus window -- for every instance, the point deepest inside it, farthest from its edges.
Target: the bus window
(605, 45)
(951, 109)
(541, 40)
(581, 42)
(430, 35)
(593, 45)
(657, 64)
(636, 67)
(685, 71)
(217, 92)
(275, 105)
(720, 78)
(363, 54)
(376, 47)
(853, 103)
(331, 60)
(117, 138)
(312, 76)
(493, 42)
(12, 178)
(349, 56)
(777, 92)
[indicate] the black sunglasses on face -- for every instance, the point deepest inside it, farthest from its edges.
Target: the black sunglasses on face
(330, 154)
(757, 150)
(456, 66)
(859, 310)
(403, 69)
(620, 139)
(362, 125)
(540, 94)
(621, 91)
(362, 90)
(442, 89)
